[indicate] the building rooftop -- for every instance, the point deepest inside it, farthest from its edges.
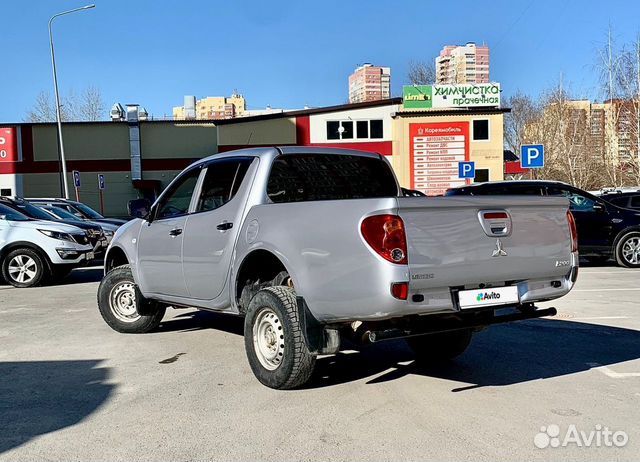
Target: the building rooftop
(277, 115)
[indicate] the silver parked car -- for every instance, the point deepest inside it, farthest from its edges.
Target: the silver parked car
(313, 244)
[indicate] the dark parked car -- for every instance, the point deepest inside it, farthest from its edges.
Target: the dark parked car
(605, 230)
(628, 200)
(80, 210)
(412, 193)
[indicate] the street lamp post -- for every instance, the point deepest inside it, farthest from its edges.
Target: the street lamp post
(55, 88)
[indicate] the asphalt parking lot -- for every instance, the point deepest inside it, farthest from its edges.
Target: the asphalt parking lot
(73, 389)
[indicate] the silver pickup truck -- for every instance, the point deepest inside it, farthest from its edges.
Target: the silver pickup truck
(316, 245)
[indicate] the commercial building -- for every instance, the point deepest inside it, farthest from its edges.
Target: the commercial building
(211, 108)
(139, 158)
(440, 126)
(369, 83)
(463, 64)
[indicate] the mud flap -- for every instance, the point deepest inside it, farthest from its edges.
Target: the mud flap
(319, 338)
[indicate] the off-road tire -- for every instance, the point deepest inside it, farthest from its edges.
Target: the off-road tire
(296, 363)
(115, 279)
(620, 259)
(37, 263)
(440, 347)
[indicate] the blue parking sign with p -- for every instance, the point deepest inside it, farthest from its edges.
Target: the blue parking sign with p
(100, 181)
(532, 156)
(76, 178)
(467, 170)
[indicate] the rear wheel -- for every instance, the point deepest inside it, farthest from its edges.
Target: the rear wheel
(274, 342)
(119, 302)
(628, 250)
(441, 346)
(24, 268)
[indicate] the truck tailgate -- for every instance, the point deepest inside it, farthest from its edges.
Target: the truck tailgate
(448, 245)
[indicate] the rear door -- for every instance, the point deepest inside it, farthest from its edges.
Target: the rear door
(592, 219)
(160, 241)
(211, 230)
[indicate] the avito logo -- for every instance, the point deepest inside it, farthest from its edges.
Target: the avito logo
(487, 296)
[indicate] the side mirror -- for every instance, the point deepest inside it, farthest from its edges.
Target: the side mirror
(139, 208)
(598, 207)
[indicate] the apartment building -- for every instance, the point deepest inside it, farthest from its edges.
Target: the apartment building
(369, 83)
(463, 64)
(612, 127)
(211, 108)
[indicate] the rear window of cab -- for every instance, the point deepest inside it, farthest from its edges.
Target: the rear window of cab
(319, 177)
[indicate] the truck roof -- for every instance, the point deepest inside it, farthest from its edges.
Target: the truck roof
(273, 151)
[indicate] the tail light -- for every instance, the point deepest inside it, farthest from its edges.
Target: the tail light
(573, 230)
(385, 234)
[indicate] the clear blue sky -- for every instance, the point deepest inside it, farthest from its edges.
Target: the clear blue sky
(288, 54)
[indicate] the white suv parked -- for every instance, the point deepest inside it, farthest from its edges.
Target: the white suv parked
(33, 250)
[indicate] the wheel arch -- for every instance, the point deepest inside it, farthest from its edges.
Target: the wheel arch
(115, 257)
(621, 234)
(29, 245)
(259, 264)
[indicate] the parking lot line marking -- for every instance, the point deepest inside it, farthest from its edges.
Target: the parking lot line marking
(611, 373)
(606, 290)
(602, 317)
(600, 272)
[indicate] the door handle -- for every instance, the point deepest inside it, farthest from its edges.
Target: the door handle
(175, 232)
(224, 226)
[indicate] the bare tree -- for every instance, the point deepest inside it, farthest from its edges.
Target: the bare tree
(421, 73)
(619, 69)
(43, 109)
(524, 112)
(89, 106)
(564, 127)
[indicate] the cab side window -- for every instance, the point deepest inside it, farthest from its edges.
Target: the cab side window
(176, 201)
(221, 183)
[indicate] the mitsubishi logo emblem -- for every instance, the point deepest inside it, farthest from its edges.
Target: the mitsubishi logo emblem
(499, 252)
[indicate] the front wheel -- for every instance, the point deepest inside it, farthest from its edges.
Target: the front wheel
(628, 250)
(442, 346)
(274, 341)
(24, 268)
(119, 301)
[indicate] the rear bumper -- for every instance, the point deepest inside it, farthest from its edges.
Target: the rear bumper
(377, 303)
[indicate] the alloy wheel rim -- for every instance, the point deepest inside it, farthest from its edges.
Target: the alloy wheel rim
(22, 269)
(122, 301)
(268, 339)
(631, 250)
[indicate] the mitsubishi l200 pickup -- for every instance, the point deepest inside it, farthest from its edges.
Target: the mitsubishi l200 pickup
(313, 245)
